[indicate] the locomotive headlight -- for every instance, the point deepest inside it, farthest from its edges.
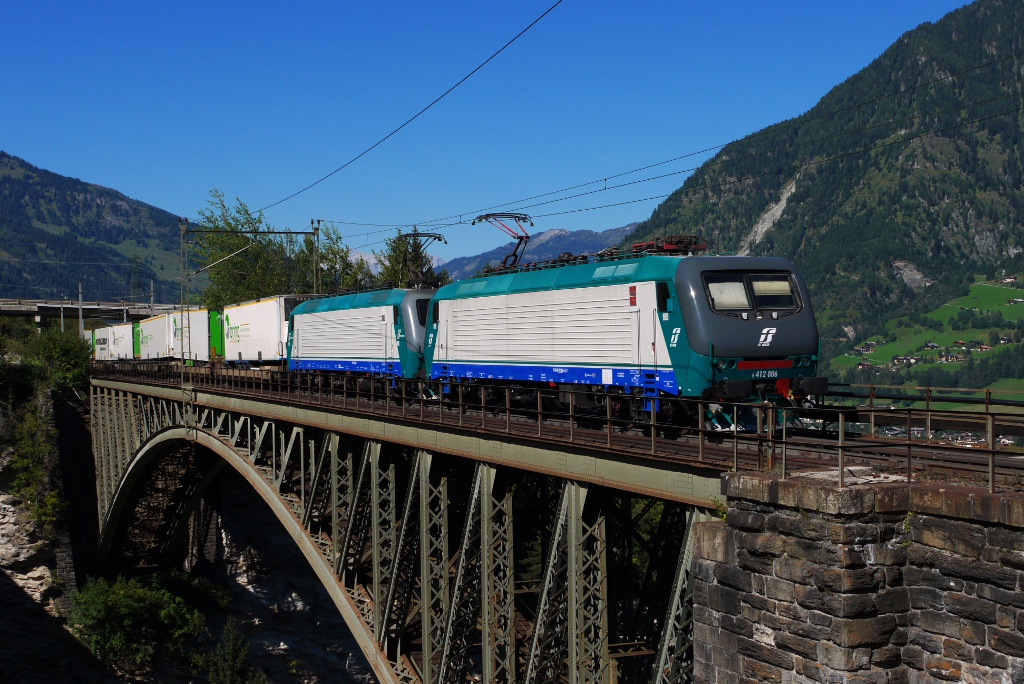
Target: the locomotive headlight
(720, 364)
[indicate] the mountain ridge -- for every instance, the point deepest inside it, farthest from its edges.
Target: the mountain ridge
(903, 184)
(56, 230)
(542, 247)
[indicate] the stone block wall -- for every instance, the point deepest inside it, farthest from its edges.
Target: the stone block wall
(888, 583)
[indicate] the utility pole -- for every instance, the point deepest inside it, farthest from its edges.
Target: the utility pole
(81, 322)
(315, 227)
(151, 291)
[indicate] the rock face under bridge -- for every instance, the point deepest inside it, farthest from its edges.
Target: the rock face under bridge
(808, 582)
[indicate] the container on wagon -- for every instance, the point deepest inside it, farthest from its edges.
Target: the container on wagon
(120, 343)
(191, 330)
(256, 332)
(155, 338)
(101, 342)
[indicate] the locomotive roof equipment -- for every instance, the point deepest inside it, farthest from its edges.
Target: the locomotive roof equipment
(518, 233)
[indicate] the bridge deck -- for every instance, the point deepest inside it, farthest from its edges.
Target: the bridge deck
(676, 480)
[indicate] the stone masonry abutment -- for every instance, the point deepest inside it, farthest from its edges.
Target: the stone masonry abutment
(882, 583)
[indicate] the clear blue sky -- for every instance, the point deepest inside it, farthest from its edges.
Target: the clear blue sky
(164, 101)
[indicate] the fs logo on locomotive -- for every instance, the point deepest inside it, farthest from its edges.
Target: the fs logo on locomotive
(766, 337)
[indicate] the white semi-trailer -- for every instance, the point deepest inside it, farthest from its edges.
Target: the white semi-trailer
(155, 337)
(194, 328)
(257, 331)
(121, 343)
(101, 344)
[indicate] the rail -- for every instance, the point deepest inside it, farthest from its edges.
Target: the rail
(843, 443)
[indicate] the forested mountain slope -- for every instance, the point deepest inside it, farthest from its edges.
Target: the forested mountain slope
(55, 230)
(891, 207)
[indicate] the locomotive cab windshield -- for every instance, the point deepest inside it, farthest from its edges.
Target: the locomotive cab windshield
(732, 292)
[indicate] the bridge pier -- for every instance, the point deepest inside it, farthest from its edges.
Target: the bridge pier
(422, 543)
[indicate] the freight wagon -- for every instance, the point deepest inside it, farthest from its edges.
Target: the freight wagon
(191, 330)
(100, 344)
(155, 338)
(256, 332)
(121, 343)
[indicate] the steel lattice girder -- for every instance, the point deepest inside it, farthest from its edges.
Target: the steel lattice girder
(358, 528)
(383, 531)
(459, 597)
(497, 571)
(403, 569)
(552, 646)
(592, 632)
(465, 613)
(675, 652)
(435, 596)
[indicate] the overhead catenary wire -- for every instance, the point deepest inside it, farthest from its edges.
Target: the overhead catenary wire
(771, 129)
(786, 169)
(796, 167)
(417, 114)
(895, 122)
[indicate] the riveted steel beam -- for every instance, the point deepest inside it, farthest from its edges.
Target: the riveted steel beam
(497, 571)
(675, 652)
(435, 594)
(465, 611)
(554, 648)
(645, 476)
(383, 531)
(404, 570)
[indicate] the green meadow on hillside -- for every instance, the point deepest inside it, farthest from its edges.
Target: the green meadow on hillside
(983, 317)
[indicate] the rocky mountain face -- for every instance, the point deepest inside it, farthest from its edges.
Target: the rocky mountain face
(55, 231)
(542, 246)
(891, 193)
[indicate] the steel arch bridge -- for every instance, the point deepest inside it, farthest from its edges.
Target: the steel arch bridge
(420, 533)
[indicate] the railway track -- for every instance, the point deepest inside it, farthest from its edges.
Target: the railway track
(789, 441)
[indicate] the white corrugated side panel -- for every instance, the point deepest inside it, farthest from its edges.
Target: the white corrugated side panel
(593, 325)
(102, 345)
(349, 334)
(254, 328)
(198, 336)
(155, 342)
(120, 346)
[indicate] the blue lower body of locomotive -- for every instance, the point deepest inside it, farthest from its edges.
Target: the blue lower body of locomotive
(375, 366)
(649, 379)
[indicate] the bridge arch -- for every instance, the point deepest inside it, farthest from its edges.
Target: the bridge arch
(157, 446)
(408, 524)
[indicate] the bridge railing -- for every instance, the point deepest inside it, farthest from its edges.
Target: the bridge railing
(845, 442)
